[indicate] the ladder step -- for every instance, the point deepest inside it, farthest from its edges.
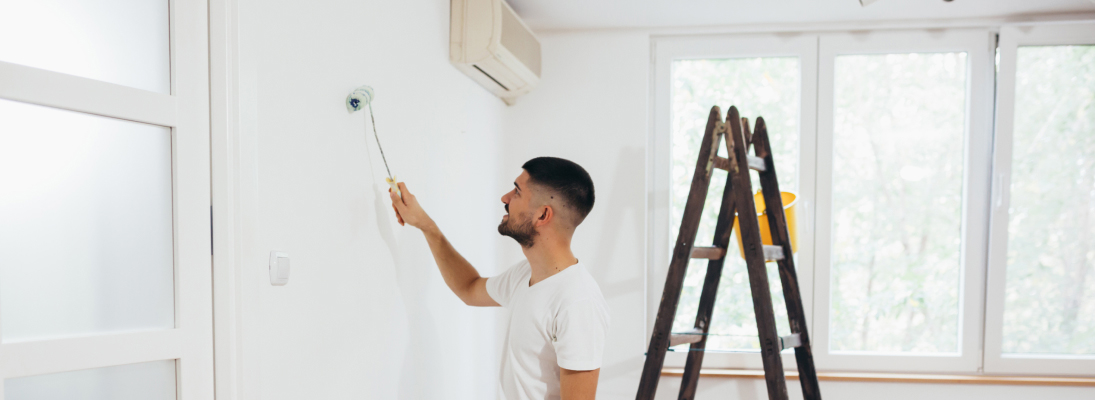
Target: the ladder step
(771, 253)
(722, 163)
(690, 336)
(790, 341)
(710, 253)
(756, 163)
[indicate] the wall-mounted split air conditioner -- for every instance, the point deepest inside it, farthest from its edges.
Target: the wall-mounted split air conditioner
(494, 47)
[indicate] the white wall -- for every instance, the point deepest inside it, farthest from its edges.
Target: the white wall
(593, 107)
(365, 313)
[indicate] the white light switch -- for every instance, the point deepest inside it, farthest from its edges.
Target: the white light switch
(279, 268)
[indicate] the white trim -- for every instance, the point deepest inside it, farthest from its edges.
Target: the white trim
(224, 64)
(70, 92)
(838, 26)
(1011, 37)
(60, 355)
(664, 52)
(191, 178)
(978, 44)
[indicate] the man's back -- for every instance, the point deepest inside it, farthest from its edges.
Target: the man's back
(559, 322)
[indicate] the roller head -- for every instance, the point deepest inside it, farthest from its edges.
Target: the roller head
(359, 98)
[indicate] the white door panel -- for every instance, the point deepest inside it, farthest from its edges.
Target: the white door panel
(106, 283)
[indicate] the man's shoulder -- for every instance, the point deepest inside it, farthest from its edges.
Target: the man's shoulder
(582, 287)
(517, 269)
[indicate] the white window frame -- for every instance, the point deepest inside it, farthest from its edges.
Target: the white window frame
(1011, 38)
(186, 112)
(671, 48)
(979, 47)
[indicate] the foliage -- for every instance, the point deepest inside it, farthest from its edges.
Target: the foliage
(898, 130)
(1050, 293)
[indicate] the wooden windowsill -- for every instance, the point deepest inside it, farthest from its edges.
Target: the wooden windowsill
(901, 378)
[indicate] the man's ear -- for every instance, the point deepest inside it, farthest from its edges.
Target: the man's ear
(544, 215)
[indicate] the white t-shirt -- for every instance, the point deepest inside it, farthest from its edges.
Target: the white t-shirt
(560, 321)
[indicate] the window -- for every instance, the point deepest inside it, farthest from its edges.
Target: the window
(1041, 303)
(893, 152)
(940, 241)
(898, 124)
(762, 75)
(766, 86)
(904, 141)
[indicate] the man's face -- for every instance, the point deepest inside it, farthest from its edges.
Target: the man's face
(518, 223)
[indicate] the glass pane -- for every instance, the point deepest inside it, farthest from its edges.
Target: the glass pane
(117, 41)
(899, 123)
(1050, 294)
(767, 87)
(85, 224)
(145, 381)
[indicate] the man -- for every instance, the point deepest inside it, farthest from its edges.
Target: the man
(559, 320)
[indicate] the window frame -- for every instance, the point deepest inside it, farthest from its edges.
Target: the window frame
(1011, 38)
(667, 49)
(979, 47)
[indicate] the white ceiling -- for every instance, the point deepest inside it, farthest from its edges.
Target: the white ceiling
(591, 14)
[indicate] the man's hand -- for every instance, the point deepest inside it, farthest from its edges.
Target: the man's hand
(407, 209)
(578, 385)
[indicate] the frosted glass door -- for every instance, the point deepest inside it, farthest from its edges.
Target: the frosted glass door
(118, 41)
(105, 193)
(85, 224)
(143, 381)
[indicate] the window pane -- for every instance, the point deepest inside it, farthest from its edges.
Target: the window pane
(899, 122)
(768, 87)
(1050, 295)
(85, 224)
(117, 41)
(145, 381)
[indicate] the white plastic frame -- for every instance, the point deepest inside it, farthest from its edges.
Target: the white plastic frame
(979, 45)
(186, 111)
(668, 49)
(1011, 38)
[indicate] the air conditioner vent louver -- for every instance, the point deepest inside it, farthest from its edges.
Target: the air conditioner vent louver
(491, 77)
(490, 43)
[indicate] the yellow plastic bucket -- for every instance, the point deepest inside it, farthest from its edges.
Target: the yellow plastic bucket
(789, 200)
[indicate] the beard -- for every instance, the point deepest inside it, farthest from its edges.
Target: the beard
(523, 232)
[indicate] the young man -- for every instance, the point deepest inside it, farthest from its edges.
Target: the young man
(559, 320)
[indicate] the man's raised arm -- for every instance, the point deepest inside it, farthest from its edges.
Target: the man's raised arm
(458, 273)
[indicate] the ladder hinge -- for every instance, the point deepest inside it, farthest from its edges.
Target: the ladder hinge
(756, 163)
(790, 341)
(773, 253)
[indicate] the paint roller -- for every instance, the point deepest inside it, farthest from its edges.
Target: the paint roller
(360, 98)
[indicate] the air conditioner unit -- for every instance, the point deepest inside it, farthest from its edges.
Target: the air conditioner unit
(494, 47)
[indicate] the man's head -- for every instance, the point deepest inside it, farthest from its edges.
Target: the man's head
(551, 194)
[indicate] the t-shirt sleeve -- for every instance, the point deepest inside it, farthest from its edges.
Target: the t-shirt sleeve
(501, 287)
(580, 331)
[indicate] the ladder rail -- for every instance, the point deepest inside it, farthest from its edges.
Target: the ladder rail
(682, 252)
(777, 223)
(723, 226)
(770, 345)
(723, 229)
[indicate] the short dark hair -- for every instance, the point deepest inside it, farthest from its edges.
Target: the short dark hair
(567, 179)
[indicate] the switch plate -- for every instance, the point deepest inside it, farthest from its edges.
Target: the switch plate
(279, 268)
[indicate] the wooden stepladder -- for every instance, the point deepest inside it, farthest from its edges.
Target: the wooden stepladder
(738, 195)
